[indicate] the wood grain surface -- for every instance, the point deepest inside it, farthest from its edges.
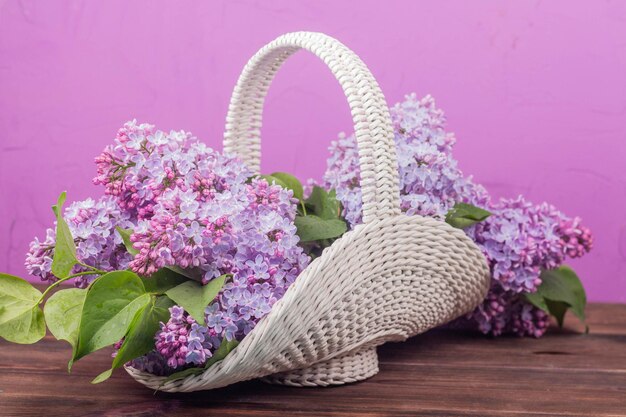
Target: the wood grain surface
(440, 373)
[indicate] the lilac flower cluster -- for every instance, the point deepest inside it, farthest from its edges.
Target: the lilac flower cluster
(143, 163)
(183, 341)
(199, 210)
(519, 239)
(92, 224)
(430, 180)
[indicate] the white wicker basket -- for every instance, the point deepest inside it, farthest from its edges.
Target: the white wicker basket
(388, 279)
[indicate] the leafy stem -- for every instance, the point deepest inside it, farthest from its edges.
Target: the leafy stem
(94, 270)
(56, 283)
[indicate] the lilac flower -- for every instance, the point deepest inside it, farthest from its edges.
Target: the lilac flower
(197, 208)
(182, 341)
(430, 180)
(519, 239)
(92, 224)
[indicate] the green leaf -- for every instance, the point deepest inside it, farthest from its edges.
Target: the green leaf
(324, 204)
(125, 234)
(562, 284)
(162, 280)
(560, 290)
(464, 215)
(271, 180)
(558, 310)
(291, 183)
(312, 228)
(21, 319)
(103, 376)
(139, 339)
(195, 297)
(62, 311)
(225, 348)
(191, 273)
(64, 257)
(110, 305)
(537, 300)
(26, 328)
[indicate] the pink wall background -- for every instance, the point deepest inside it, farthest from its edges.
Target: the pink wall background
(535, 91)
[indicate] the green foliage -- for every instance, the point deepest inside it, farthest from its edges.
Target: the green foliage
(21, 319)
(139, 338)
(194, 297)
(312, 228)
(103, 376)
(125, 234)
(323, 222)
(64, 257)
(110, 305)
(162, 280)
(191, 273)
(324, 204)
(225, 348)
(62, 312)
(464, 215)
(559, 291)
(287, 181)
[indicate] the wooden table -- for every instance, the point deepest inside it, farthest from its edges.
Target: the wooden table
(440, 373)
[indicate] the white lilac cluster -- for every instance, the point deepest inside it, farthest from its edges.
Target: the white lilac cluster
(518, 240)
(92, 224)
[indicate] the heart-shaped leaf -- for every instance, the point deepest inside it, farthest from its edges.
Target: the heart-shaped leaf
(64, 257)
(312, 228)
(195, 297)
(110, 305)
(21, 319)
(464, 215)
(62, 311)
(560, 290)
(139, 339)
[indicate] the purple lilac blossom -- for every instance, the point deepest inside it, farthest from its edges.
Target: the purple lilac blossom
(430, 180)
(92, 224)
(519, 239)
(199, 209)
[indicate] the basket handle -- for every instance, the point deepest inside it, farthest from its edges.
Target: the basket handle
(370, 114)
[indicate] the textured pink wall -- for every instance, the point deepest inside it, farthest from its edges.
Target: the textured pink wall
(535, 91)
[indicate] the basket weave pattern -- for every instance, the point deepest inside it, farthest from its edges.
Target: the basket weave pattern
(392, 277)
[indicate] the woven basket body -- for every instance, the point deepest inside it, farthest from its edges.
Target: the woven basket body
(390, 278)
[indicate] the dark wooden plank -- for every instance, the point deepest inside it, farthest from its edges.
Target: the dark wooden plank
(441, 373)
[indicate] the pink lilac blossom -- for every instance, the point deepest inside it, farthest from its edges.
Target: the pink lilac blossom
(142, 163)
(199, 209)
(519, 239)
(92, 224)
